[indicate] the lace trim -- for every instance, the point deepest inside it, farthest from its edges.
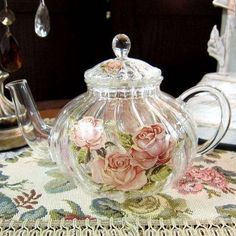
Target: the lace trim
(129, 227)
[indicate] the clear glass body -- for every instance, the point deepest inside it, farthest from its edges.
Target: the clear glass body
(133, 140)
(117, 141)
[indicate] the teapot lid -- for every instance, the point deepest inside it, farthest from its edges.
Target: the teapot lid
(122, 71)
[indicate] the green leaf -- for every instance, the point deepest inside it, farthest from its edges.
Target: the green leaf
(12, 159)
(106, 188)
(213, 155)
(7, 208)
(225, 172)
(46, 163)
(154, 206)
(167, 213)
(180, 144)
(160, 173)
(125, 139)
(211, 193)
(25, 154)
(3, 177)
(75, 148)
(148, 187)
(56, 173)
(145, 206)
(109, 123)
(59, 185)
(57, 214)
(109, 144)
(208, 161)
(179, 204)
(227, 210)
(83, 155)
(220, 151)
(34, 214)
(231, 180)
(101, 152)
(157, 177)
(107, 207)
(76, 210)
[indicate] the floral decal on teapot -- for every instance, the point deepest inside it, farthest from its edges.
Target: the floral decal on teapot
(89, 133)
(112, 66)
(132, 162)
(117, 170)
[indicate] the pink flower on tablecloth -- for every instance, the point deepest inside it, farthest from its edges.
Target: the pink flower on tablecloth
(189, 187)
(154, 141)
(195, 173)
(215, 178)
(89, 132)
(195, 179)
(117, 170)
(209, 176)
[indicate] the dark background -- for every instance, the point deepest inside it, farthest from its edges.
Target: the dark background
(169, 34)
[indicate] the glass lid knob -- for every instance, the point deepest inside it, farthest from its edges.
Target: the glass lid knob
(121, 45)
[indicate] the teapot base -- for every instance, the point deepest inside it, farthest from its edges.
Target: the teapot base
(121, 196)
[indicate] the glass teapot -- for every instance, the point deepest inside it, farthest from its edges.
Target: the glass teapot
(123, 135)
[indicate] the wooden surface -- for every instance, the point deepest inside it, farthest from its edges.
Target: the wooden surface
(50, 109)
(49, 113)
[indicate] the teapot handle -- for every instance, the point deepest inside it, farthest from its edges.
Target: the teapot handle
(225, 114)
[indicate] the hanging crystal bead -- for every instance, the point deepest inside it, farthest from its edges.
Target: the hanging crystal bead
(42, 20)
(11, 58)
(7, 16)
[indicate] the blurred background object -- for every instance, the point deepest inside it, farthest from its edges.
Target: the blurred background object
(171, 35)
(10, 54)
(10, 133)
(222, 47)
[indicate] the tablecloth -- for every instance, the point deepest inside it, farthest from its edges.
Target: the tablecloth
(36, 197)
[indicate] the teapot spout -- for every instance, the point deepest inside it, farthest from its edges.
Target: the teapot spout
(34, 129)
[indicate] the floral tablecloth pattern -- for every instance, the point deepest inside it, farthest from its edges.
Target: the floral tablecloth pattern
(32, 187)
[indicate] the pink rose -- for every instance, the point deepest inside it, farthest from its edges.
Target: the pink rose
(117, 170)
(113, 66)
(89, 132)
(143, 159)
(167, 154)
(153, 140)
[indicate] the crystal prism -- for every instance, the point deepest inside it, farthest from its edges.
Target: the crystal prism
(42, 21)
(7, 17)
(11, 58)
